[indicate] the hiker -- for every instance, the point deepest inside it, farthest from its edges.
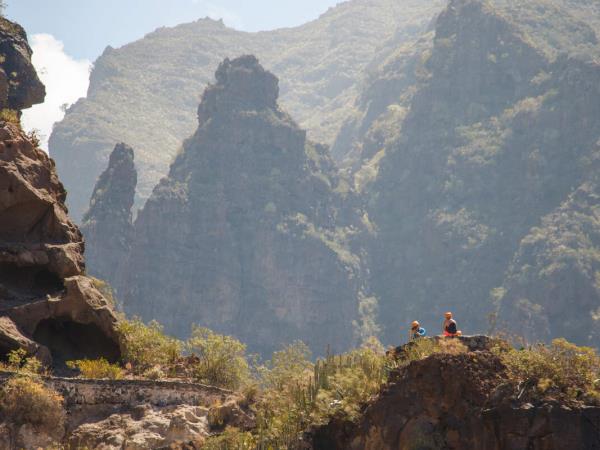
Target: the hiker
(449, 328)
(416, 331)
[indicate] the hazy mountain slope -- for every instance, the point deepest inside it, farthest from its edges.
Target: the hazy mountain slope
(553, 285)
(145, 93)
(503, 125)
(107, 225)
(243, 235)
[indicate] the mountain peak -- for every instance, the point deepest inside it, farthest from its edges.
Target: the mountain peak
(242, 84)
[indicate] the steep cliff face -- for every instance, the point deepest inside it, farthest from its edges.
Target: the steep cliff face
(459, 402)
(20, 86)
(501, 128)
(552, 287)
(243, 235)
(145, 93)
(47, 306)
(107, 225)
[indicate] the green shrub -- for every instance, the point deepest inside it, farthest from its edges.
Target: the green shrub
(154, 373)
(145, 346)
(231, 439)
(18, 361)
(96, 368)
(344, 383)
(287, 366)
(284, 406)
(24, 400)
(298, 393)
(221, 359)
(562, 365)
(105, 289)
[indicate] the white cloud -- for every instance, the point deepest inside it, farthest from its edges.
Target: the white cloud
(66, 81)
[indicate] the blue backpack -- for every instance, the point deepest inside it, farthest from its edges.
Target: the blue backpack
(419, 333)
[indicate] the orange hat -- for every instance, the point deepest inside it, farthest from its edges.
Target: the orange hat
(448, 315)
(415, 324)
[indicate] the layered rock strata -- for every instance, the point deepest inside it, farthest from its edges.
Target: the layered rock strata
(47, 304)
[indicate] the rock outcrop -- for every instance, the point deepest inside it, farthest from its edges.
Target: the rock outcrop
(133, 414)
(20, 86)
(47, 305)
(107, 226)
(245, 235)
(460, 402)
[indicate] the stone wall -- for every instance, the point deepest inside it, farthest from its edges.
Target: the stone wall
(130, 393)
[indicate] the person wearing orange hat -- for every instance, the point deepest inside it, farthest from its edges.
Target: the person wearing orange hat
(449, 327)
(416, 331)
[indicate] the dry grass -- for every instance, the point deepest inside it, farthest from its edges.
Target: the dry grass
(24, 400)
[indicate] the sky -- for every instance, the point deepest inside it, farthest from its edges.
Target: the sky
(68, 35)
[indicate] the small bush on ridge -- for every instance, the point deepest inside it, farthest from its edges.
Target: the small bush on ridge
(221, 359)
(96, 368)
(571, 369)
(145, 346)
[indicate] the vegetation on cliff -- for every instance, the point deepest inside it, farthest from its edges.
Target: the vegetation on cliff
(479, 171)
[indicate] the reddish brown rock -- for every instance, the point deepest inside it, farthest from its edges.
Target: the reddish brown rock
(47, 305)
(460, 402)
(20, 86)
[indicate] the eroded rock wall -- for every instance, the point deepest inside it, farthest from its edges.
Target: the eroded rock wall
(47, 304)
(244, 235)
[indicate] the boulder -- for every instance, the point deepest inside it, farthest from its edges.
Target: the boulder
(20, 86)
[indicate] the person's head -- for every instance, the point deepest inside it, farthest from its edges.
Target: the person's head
(415, 325)
(448, 315)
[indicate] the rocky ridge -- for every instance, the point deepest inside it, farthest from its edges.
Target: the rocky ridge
(461, 401)
(146, 92)
(133, 414)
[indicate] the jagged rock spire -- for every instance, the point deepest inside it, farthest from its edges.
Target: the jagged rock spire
(107, 225)
(241, 236)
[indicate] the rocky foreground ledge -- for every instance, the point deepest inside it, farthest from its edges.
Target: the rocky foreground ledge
(462, 401)
(133, 415)
(462, 397)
